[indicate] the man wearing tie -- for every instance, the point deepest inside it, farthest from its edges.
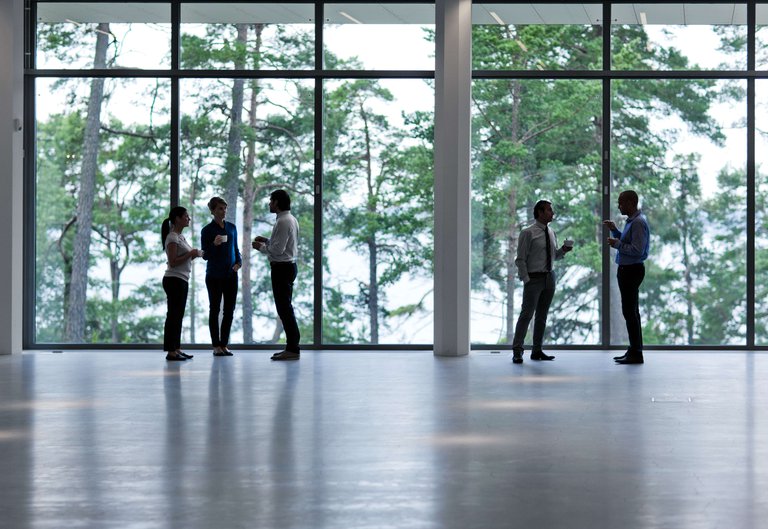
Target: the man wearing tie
(536, 250)
(632, 246)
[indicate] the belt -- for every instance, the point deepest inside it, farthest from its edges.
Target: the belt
(633, 264)
(538, 274)
(273, 263)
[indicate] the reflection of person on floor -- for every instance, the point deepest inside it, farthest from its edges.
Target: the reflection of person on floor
(176, 279)
(536, 252)
(219, 242)
(282, 249)
(632, 246)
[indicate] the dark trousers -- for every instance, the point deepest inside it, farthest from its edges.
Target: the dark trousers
(537, 297)
(176, 290)
(219, 287)
(630, 277)
(283, 276)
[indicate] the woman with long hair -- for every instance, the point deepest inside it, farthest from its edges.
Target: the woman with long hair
(176, 279)
(219, 242)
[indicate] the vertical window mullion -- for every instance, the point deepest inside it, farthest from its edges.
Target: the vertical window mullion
(174, 117)
(605, 298)
(751, 173)
(318, 183)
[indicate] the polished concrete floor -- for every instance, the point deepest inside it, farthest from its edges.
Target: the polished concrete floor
(355, 440)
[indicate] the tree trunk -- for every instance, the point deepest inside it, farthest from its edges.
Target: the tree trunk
(249, 198)
(192, 276)
(114, 272)
(688, 278)
(235, 137)
(82, 242)
(373, 280)
(514, 226)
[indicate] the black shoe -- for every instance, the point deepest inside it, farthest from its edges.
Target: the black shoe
(630, 352)
(517, 357)
(185, 355)
(227, 352)
(175, 358)
(286, 355)
(539, 355)
(631, 359)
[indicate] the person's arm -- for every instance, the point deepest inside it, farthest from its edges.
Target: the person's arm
(559, 251)
(174, 259)
(637, 246)
(277, 243)
(206, 242)
(521, 261)
(238, 258)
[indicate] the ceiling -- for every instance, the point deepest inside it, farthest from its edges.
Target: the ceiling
(403, 13)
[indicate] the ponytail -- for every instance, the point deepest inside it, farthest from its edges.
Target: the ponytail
(165, 229)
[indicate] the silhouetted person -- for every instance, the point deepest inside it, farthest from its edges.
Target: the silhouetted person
(632, 246)
(219, 242)
(176, 279)
(282, 250)
(536, 252)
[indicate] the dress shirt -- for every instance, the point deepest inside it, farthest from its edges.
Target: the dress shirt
(532, 250)
(634, 241)
(282, 246)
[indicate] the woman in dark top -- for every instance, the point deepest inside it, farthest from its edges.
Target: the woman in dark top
(219, 242)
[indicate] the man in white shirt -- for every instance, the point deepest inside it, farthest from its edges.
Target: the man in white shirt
(536, 252)
(281, 249)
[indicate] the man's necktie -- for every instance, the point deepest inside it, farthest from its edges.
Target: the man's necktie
(549, 249)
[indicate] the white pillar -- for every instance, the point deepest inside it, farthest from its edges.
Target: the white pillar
(453, 84)
(11, 174)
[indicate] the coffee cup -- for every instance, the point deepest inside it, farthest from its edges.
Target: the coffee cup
(224, 238)
(568, 243)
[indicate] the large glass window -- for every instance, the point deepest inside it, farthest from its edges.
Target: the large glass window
(761, 213)
(247, 36)
(340, 112)
(672, 36)
(379, 36)
(103, 35)
(544, 36)
(378, 212)
(241, 139)
(101, 192)
(532, 140)
(681, 144)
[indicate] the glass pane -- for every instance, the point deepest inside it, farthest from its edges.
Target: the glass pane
(666, 36)
(242, 156)
(761, 212)
(537, 36)
(532, 140)
(761, 36)
(681, 145)
(379, 37)
(103, 35)
(247, 36)
(377, 212)
(101, 188)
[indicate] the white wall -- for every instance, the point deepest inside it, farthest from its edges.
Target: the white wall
(11, 174)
